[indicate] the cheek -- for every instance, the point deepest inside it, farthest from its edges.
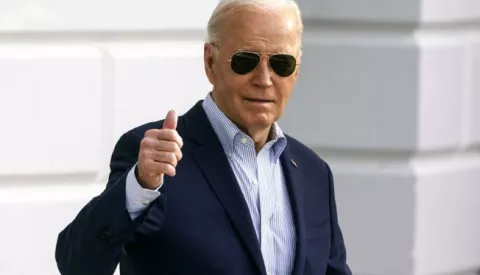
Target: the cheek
(284, 89)
(235, 84)
(225, 77)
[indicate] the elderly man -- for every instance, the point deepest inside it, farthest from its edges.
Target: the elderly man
(221, 189)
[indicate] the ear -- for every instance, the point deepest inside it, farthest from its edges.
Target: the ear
(209, 60)
(299, 62)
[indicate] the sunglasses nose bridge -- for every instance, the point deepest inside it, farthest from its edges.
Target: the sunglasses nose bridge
(263, 56)
(263, 72)
(261, 59)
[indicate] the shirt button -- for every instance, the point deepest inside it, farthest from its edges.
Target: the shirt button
(255, 182)
(243, 140)
(146, 202)
(229, 154)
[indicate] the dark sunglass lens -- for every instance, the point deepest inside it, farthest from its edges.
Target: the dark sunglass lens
(283, 64)
(244, 62)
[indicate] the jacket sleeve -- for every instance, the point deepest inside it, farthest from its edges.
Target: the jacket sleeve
(337, 263)
(93, 242)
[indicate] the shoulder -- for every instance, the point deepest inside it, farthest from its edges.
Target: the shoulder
(306, 155)
(314, 167)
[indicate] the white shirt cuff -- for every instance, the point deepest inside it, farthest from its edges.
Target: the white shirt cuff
(137, 197)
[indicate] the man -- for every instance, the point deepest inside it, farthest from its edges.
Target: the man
(220, 190)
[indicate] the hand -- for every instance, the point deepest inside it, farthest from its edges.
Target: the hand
(159, 153)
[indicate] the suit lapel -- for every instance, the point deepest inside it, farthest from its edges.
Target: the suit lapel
(213, 162)
(293, 176)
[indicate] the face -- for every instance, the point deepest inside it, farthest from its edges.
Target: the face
(253, 101)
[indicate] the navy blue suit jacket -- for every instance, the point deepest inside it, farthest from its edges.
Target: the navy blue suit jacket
(201, 224)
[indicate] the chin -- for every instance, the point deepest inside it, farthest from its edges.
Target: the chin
(261, 121)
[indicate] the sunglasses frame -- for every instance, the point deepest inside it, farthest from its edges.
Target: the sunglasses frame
(260, 55)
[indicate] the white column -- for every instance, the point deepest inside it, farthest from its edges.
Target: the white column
(389, 95)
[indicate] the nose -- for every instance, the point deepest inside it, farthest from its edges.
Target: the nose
(263, 74)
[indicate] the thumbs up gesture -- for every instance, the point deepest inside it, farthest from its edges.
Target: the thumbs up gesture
(160, 151)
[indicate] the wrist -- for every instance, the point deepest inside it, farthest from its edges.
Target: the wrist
(152, 183)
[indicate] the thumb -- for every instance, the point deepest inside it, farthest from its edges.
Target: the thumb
(170, 121)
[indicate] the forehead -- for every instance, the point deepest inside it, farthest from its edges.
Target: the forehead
(252, 28)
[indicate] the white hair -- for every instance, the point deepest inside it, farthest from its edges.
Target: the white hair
(224, 6)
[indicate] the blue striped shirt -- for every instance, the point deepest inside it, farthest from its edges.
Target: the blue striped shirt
(262, 182)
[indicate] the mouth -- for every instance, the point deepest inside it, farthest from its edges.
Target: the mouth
(259, 100)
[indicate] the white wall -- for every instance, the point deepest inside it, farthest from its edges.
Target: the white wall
(389, 94)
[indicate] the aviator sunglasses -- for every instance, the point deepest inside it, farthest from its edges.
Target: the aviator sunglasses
(244, 62)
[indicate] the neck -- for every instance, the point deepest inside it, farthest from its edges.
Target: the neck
(259, 136)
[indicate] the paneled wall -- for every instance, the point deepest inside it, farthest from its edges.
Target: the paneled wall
(389, 94)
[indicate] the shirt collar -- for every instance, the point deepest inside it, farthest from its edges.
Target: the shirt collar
(226, 130)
